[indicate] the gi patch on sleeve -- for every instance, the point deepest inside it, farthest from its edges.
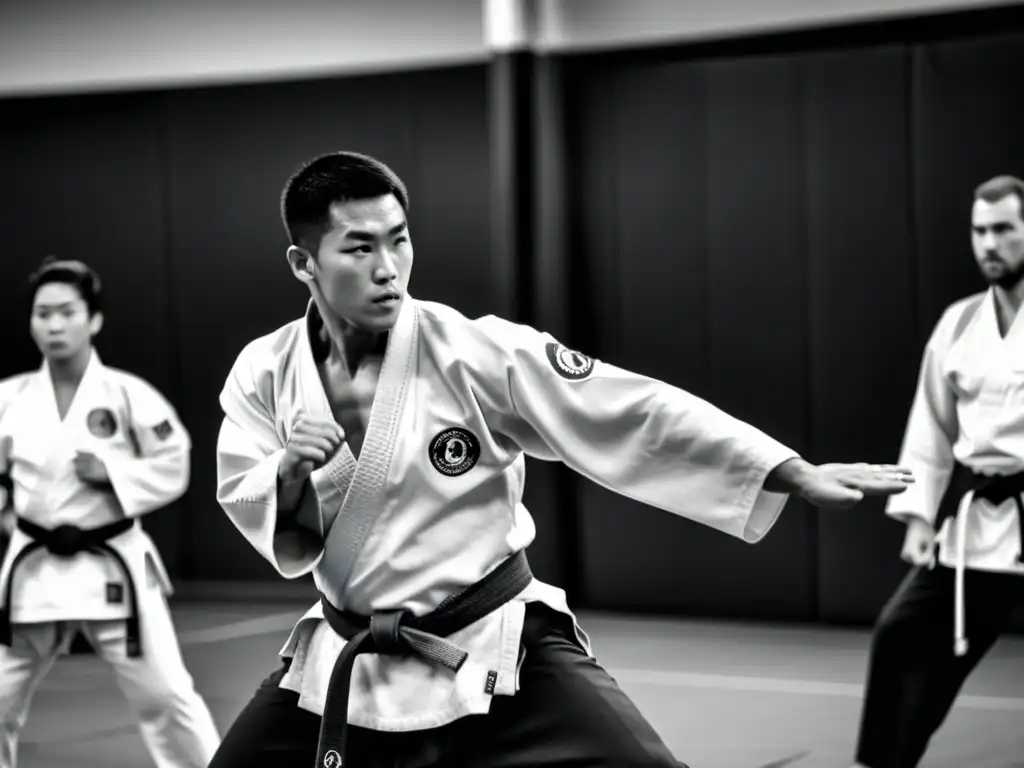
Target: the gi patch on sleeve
(568, 363)
(163, 429)
(454, 451)
(101, 422)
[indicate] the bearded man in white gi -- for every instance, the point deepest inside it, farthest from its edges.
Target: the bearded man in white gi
(966, 424)
(91, 449)
(379, 442)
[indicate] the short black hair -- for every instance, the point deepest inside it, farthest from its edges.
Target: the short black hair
(71, 272)
(337, 177)
(998, 187)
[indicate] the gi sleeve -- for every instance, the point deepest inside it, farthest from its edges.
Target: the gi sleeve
(8, 389)
(634, 435)
(158, 471)
(249, 450)
(930, 434)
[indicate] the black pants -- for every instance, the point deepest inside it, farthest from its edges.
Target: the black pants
(913, 676)
(567, 712)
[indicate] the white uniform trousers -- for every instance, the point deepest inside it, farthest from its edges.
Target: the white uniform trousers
(174, 721)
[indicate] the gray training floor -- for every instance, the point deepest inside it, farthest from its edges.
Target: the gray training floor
(723, 694)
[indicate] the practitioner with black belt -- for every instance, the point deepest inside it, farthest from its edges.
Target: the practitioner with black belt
(90, 450)
(966, 425)
(379, 442)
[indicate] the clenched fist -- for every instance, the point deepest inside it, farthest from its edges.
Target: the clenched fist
(91, 469)
(919, 543)
(312, 444)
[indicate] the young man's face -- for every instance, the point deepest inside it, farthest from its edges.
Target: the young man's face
(61, 325)
(997, 235)
(363, 263)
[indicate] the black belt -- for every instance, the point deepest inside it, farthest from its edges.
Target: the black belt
(67, 541)
(399, 633)
(999, 488)
(993, 488)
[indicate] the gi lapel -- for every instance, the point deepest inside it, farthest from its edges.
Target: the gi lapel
(92, 406)
(88, 424)
(1013, 338)
(977, 343)
(363, 501)
(342, 467)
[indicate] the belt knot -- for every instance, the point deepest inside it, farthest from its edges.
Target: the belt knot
(66, 540)
(386, 631)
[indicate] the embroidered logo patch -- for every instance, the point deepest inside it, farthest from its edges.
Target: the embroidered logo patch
(163, 430)
(101, 422)
(454, 451)
(568, 363)
(332, 759)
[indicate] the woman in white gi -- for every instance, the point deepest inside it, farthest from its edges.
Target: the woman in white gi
(379, 442)
(967, 415)
(91, 449)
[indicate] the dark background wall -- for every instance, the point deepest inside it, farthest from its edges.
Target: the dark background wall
(771, 223)
(776, 225)
(173, 197)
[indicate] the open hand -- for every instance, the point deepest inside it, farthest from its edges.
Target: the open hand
(843, 485)
(90, 468)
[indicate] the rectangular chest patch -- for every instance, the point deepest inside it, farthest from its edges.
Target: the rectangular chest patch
(115, 593)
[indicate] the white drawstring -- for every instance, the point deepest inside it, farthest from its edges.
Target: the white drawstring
(959, 634)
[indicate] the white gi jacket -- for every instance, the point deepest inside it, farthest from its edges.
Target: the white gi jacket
(434, 502)
(111, 409)
(968, 407)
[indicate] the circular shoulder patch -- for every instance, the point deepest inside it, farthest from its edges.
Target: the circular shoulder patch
(454, 451)
(568, 363)
(101, 422)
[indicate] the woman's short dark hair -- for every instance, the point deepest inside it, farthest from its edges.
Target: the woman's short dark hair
(70, 272)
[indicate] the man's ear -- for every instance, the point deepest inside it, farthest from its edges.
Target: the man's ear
(302, 263)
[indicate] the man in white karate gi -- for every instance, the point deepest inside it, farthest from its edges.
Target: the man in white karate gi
(379, 441)
(90, 450)
(966, 424)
